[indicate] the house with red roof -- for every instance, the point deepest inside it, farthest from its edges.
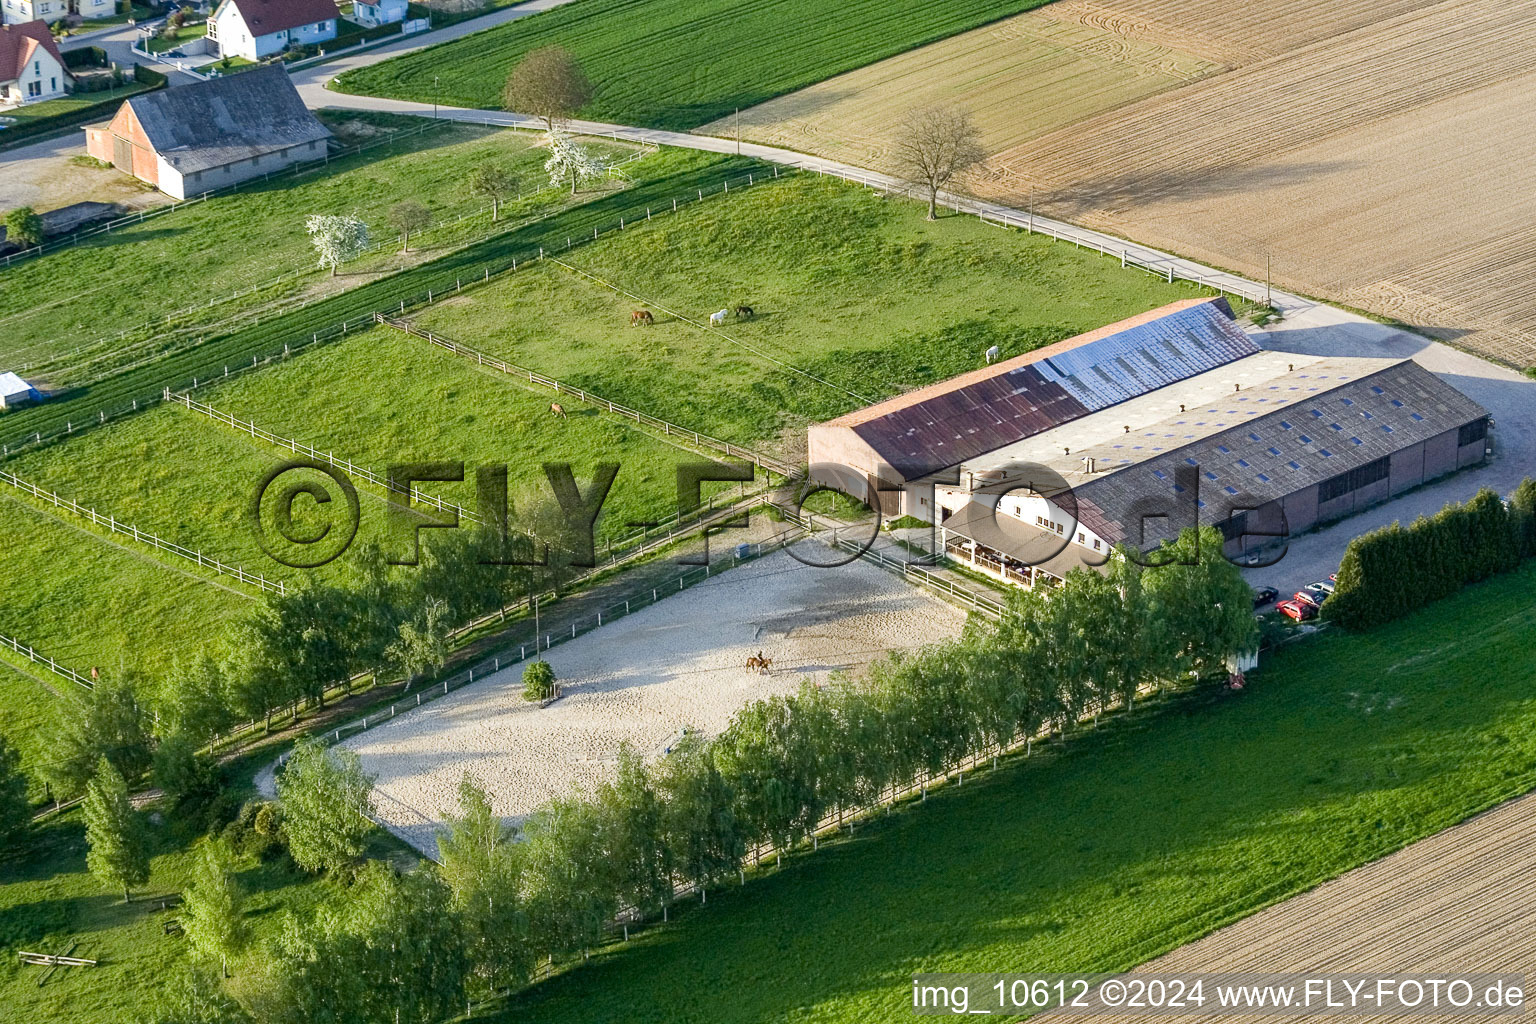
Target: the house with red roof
(254, 29)
(31, 67)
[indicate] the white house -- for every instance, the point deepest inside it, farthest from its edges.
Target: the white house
(31, 67)
(254, 29)
(380, 12)
(14, 391)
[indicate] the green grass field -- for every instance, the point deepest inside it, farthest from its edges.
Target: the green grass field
(85, 600)
(680, 63)
(50, 901)
(386, 397)
(1139, 837)
(858, 291)
(659, 178)
(130, 279)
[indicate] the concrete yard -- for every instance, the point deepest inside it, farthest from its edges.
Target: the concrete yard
(640, 680)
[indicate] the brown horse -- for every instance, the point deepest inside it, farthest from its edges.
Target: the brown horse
(557, 409)
(758, 663)
(641, 316)
(744, 313)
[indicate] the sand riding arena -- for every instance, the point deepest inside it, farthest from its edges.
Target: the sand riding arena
(677, 664)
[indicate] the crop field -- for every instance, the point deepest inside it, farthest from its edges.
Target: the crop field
(252, 251)
(1465, 893)
(659, 178)
(1385, 176)
(855, 298)
(691, 62)
(1344, 749)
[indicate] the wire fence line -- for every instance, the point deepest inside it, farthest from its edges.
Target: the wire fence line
(668, 428)
(111, 523)
(33, 655)
(1170, 268)
(617, 548)
(491, 269)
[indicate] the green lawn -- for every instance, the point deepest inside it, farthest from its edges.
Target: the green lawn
(161, 43)
(32, 115)
(859, 292)
(384, 397)
(253, 238)
(657, 179)
(1140, 837)
(86, 600)
(681, 63)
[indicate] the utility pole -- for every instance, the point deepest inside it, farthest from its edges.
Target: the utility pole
(1266, 281)
(738, 131)
(435, 93)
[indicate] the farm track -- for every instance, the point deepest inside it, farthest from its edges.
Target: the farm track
(1369, 154)
(1462, 900)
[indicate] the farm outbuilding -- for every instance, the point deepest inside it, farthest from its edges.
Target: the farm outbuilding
(197, 138)
(14, 391)
(1130, 434)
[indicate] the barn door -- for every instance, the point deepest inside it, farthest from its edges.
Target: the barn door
(122, 154)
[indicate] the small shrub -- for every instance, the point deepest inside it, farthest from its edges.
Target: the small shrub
(538, 681)
(24, 227)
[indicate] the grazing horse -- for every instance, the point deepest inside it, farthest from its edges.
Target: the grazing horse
(557, 409)
(744, 313)
(992, 353)
(641, 316)
(716, 319)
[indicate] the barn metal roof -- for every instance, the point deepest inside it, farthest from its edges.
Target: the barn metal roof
(1334, 415)
(945, 424)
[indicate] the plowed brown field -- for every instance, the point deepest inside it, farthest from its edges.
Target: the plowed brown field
(1381, 154)
(1461, 901)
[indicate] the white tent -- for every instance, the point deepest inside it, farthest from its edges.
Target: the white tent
(14, 390)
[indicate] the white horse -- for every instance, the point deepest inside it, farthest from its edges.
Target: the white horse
(716, 319)
(992, 353)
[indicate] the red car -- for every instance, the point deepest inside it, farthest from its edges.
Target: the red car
(1310, 597)
(1301, 611)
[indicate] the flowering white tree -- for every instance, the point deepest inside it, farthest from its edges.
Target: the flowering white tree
(337, 238)
(571, 161)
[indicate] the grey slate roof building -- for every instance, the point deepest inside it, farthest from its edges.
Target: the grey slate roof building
(196, 138)
(1129, 434)
(226, 120)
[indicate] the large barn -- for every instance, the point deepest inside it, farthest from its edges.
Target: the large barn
(197, 138)
(1127, 434)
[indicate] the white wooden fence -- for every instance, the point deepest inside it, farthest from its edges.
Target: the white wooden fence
(33, 655)
(111, 523)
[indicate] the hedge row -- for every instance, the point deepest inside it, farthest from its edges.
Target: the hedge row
(1390, 572)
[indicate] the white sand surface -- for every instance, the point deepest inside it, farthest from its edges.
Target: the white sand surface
(641, 679)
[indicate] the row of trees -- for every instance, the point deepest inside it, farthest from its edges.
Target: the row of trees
(1387, 573)
(781, 769)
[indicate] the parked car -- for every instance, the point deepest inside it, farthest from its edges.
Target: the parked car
(1264, 595)
(1309, 597)
(1333, 577)
(1324, 587)
(1298, 610)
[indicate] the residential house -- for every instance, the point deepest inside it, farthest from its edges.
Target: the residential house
(196, 138)
(15, 12)
(31, 67)
(380, 12)
(254, 29)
